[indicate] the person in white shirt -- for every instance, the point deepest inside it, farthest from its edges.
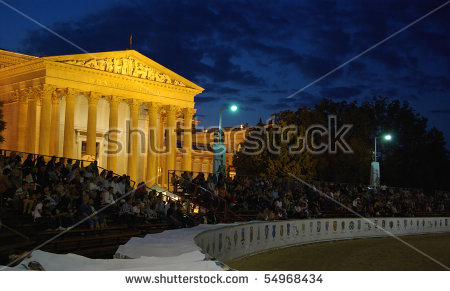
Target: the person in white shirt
(137, 208)
(275, 194)
(166, 207)
(105, 183)
(121, 187)
(87, 173)
(37, 212)
(114, 185)
(92, 185)
(108, 196)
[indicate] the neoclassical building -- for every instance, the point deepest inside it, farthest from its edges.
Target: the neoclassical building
(120, 108)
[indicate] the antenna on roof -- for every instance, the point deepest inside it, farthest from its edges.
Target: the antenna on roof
(131, 41)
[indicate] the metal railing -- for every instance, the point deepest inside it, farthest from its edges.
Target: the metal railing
(213, 195)
(178, 174)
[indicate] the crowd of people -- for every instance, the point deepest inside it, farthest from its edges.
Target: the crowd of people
(278, 198)
(58, 193)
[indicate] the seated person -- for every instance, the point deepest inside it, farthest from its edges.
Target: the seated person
(18, 200)
(100, 218)
(47, 221)
(173, 216)
(37, 212)
(66, 215)
(85, 212)
(126, 212)
(108, 196)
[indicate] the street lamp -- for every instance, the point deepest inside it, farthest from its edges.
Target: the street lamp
(375, 166)
(232, 108)
(220, 149)
(386, 137)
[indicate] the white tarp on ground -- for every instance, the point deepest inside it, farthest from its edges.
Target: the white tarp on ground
(164, 244)
(173, 250)
(71, 262)
(176, 249)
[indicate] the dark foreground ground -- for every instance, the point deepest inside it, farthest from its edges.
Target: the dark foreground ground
(372, 254)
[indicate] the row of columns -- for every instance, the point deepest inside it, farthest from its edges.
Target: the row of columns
(49, 98)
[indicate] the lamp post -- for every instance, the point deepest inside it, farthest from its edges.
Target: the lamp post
(219, 149)
(375, 166)
(232, 108)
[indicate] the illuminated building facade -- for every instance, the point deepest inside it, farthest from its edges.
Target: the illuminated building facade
(120, 108)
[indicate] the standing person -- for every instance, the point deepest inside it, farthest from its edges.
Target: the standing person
(126, 212)
(60, 163)
(40, 162)
(173, 216)
(140, 191)
(174, 181)
(16, 179)
(67, 170)
(127, 181)
(94, 168)
(52, 162)
(5, 184)
(28, 163)
(43, 178)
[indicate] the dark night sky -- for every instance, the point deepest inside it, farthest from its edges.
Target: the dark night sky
(259, 52)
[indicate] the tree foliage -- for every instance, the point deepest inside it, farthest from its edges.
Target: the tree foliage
(265, 152)
(416, 157)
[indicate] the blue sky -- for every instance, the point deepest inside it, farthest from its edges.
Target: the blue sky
(257, 53)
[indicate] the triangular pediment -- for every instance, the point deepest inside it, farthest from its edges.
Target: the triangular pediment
(129, 63)
(8, 58)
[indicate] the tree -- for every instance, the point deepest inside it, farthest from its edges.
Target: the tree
(416, 157)
(266, 152)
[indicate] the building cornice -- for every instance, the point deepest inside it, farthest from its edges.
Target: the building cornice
(22, 68)
(8, 58)
(116, 81)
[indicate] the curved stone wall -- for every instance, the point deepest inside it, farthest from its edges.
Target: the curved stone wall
(231, 242)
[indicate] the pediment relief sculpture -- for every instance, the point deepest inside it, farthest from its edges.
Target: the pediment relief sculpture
(126, 66)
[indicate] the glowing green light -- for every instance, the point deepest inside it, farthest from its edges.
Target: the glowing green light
(233, 108)
(388, 137)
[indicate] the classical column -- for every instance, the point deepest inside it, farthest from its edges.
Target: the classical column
(32, 94)
(54, 125)
(91, 148)
(113, 131)
(152, 153)
(46, 114)
(162, 158)
(22, 116)
(69, 131)
(134, 147)
(187, 138)
(171, 137)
